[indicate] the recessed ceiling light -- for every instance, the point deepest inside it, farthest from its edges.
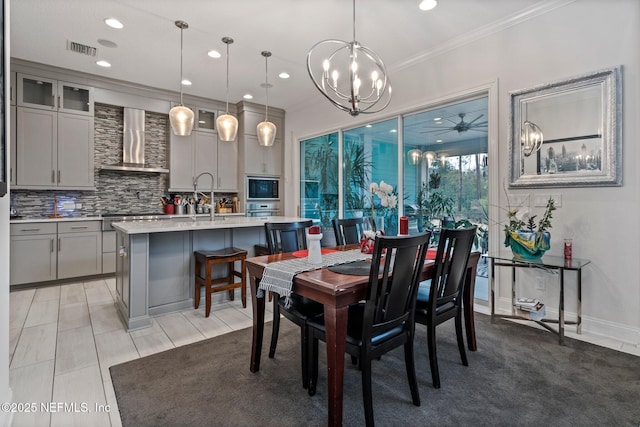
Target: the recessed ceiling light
(107, 43)
(248, 96)
(428, 4)
(393, 130)
(438, 140)
(284, 75)
(369, 126)
(114, 23)
(437, 119)
(103, 64)
(186, 82)
(214, 54)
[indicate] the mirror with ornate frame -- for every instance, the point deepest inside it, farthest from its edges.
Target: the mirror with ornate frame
(580, 120)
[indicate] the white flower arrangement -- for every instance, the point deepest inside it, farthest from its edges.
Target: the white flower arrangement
(370, 234)
(384, 191)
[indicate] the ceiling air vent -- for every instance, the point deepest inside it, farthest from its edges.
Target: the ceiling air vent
(81, 48)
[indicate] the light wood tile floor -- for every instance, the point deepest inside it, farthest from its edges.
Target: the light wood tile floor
(64, 338)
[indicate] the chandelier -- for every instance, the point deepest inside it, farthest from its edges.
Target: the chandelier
(351, 76)
(181, 117)
(531, 138)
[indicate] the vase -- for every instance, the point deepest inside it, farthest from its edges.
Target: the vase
(528, 245)
(378, 222)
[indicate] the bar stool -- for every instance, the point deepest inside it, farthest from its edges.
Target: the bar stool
(223, 256)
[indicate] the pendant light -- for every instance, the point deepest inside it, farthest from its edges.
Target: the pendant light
(226, 124)
(181, 117)
(414, 156)
(266, 130)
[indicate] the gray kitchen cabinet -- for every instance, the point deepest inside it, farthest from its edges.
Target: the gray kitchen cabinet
(202, 152)
(205, 158)
(227, 166)
(32, 253)
(45, 251)
(79, 249)
(12, 88)
(54, 150)
(108, 252)
(12, 145)
(181, 159)
(259, 160)
(53, 95)
(123, 247)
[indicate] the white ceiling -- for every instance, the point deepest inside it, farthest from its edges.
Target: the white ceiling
(148, 47)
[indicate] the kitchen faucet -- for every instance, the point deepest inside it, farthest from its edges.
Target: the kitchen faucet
(195, 194)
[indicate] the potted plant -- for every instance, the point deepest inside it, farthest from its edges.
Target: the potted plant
(527, 239)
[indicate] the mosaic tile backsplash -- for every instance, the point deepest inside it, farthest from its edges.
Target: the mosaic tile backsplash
(116, 191)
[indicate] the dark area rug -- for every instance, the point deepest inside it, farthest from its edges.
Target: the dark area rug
(518, 376)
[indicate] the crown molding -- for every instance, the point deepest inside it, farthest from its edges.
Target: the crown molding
(487, 30)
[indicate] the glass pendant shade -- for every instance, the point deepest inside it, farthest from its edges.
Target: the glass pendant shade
(414, 156)
(266, 129)
(429, 156)
(227, 127)
(226, 124)
(181, 119)
(531, 138)
(266, 133)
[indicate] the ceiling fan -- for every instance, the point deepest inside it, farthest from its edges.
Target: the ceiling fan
(460, 126)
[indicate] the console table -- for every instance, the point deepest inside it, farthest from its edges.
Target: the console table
(547, 262)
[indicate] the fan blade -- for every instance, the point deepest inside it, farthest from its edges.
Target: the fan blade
(471, 122)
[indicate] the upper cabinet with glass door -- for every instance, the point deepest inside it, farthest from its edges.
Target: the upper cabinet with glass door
(206, 120)
(54, 95)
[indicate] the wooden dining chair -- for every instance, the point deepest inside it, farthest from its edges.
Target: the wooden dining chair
(440, 299)
(291, 237)
(385, 320)
(348, 230)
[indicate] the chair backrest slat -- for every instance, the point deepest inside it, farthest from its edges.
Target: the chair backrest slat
(454, 248)
(286, 236)
(392, 293)
(348, 230)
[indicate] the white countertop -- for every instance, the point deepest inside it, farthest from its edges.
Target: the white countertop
(162, 226)
(98, 217)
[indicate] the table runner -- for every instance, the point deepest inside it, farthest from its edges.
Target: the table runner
(278, 276)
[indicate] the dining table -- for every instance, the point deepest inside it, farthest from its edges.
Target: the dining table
(336, 292)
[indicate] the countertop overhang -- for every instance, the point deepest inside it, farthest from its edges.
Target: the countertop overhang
(147, 227)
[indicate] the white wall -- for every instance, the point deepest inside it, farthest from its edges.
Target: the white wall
(5, 391)
(577, 38)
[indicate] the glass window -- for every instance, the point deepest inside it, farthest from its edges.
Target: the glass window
(370, 156)
(319, 178)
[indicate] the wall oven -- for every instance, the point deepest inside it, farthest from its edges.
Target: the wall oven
(263, 188)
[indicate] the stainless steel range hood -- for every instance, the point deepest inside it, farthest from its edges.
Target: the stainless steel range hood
(133, 145)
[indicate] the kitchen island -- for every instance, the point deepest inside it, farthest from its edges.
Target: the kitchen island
(155, 265)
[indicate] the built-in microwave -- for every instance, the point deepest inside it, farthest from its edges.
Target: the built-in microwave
(263, 188)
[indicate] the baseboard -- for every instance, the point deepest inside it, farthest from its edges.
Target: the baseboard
(590, 325)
